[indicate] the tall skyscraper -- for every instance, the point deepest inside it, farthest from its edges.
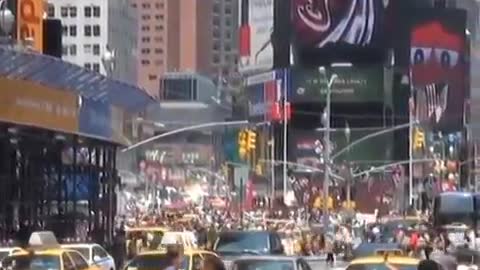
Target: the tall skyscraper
(91, 28)
(185, 35)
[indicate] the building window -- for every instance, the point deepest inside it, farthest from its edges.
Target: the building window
(146, 5)
(228, 34)
(227, 58)
(87, 29)
(64, 11)
(96, 67)
(96, 11)
(216, 8)
(87, 49)
(64, 50)
(216, 21)
(216, 59)
(159, 17)
(73, 30)
(96, 30)
(96, 49)
(87, 66)
(146, 39)
(158, 39)
(158, 27)
(73, 12)
(158, 50)
(225, 71)
(145, 62)
(216, 45)
(152, 77)
(159, 5)
(73, 49)
(51, 11)
(228, 10)
(134, 5)
(145, 28)
(227, 47)
(228, 22)
(64, 30)
(145, 51)
(88, 12)
(216, 33)
(145, 17)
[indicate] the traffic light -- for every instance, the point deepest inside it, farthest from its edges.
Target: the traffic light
(418, 139)
(251, 140)
(242, 144)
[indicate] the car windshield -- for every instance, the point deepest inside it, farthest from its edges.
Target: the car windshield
(154, 261)
(457, 204)
(264, 265)
(242, 242)
(382, 266)
(32, 262)
(84, 251)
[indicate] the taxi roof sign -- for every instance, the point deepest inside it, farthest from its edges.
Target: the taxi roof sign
(43, 239)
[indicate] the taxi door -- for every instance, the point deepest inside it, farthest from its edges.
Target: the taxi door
(102, 258)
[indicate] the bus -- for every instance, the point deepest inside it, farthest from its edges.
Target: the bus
(454, 208)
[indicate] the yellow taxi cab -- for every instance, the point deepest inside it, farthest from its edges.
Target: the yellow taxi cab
(153, 260)
(44, 253)
(384, 262)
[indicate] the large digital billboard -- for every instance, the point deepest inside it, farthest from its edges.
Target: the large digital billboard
(438, 67)
(323, 23)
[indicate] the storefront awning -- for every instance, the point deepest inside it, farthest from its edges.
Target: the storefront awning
(55, 73)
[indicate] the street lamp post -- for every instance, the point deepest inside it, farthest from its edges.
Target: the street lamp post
(326, 119)
(349, 169)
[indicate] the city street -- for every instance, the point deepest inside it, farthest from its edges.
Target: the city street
(185, 134)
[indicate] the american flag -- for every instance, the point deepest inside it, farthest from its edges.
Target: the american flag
(431, 102)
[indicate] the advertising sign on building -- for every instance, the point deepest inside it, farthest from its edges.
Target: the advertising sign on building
(256, 27)
(265, 91)
(28, 103)
(439, 71)
(30, 22)
(353, 85)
